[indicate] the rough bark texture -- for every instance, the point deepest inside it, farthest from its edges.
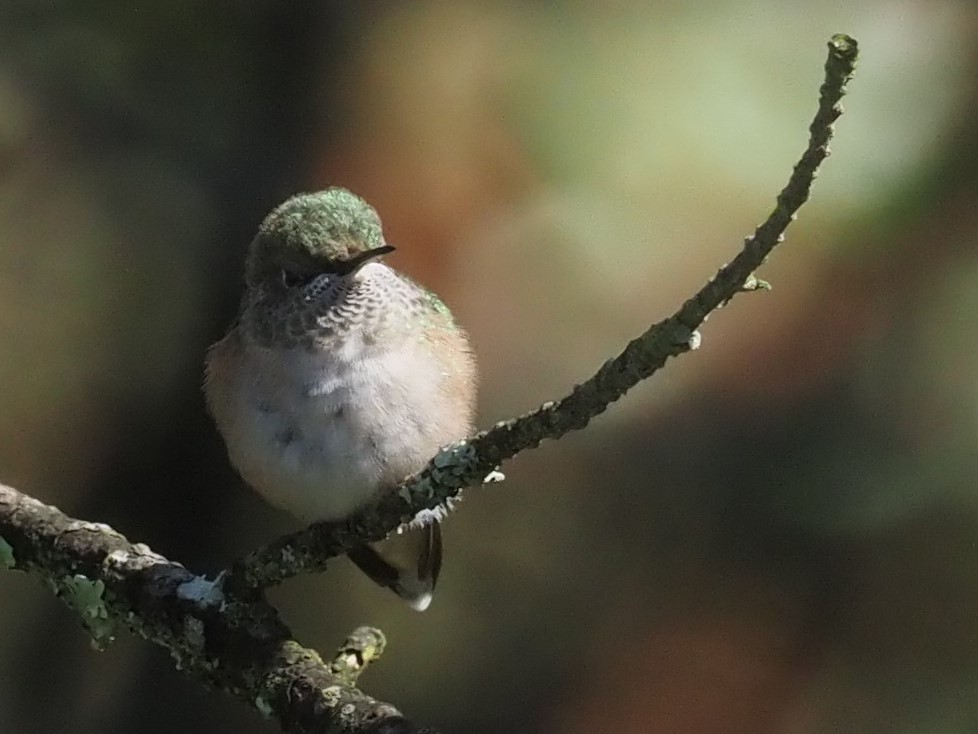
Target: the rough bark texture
(238, 645)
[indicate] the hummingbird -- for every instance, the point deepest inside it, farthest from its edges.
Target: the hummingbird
(339, 378)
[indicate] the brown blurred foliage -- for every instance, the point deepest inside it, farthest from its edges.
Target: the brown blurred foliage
(777, 534)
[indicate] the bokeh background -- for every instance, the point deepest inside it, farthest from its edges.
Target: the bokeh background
(775, 534)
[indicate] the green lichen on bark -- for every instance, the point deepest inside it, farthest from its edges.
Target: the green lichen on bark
(87, 598)
(7, 560)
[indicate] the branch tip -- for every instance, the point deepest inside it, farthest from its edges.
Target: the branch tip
(844, 47)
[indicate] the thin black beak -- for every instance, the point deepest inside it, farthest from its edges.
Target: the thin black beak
(358, 261)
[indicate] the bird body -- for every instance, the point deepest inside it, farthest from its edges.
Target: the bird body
(340, 378)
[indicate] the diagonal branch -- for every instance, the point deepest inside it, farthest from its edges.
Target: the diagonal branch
(239, 646)
(468, 463)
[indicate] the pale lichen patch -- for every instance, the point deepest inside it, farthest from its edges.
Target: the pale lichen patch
(427, 517)
(194, 632)
(139, 558)
(288, 556)
(263, 706)
(7, 559)
(203, 591)
(87, 598)
(332, 695)
(95, 528)
(117, 559)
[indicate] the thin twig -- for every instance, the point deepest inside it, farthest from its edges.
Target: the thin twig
(467, 463)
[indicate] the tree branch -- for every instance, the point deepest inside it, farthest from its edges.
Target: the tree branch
(468, 462)
(226, 635)
(239, 646)
(364, 646)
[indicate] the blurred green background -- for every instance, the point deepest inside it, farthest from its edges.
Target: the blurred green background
(776, 534)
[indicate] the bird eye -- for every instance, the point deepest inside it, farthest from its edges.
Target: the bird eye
(291, 279)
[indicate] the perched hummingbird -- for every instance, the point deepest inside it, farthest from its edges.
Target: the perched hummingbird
(340, 377)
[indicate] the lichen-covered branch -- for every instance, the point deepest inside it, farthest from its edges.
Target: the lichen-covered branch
(238, 645)
(467, 463)
(364, 646)
(226, 635)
